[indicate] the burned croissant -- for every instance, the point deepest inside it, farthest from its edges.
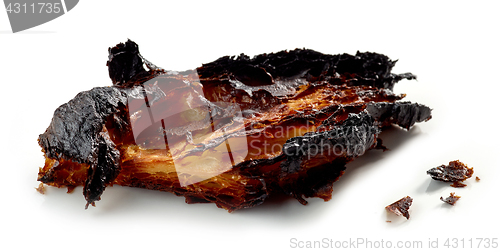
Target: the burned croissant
(231, 132)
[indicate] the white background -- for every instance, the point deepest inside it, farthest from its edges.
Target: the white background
(452, 46)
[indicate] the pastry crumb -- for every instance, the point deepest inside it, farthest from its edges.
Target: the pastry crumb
(455, 172)
(41, 188)
(452, 199)
(401, 207)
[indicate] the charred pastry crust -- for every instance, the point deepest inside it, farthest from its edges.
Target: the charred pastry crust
(452, 199)
(309, 114)
(401, 207)
(455, 172)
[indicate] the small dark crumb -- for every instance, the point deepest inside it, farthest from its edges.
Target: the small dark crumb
(452, 199)
(401, 206)
(455, 171)
(41, 189)
(477, 178)
(388, 221)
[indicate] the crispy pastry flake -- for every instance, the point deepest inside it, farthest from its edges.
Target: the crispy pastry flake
(41, 188)
(455, 172)
(452, 199)
(401, 207)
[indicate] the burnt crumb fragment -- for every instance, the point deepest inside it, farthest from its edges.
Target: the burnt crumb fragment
(477, 178)
(452, 199)
(455, 171)
(401, 207)
(41, 188)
